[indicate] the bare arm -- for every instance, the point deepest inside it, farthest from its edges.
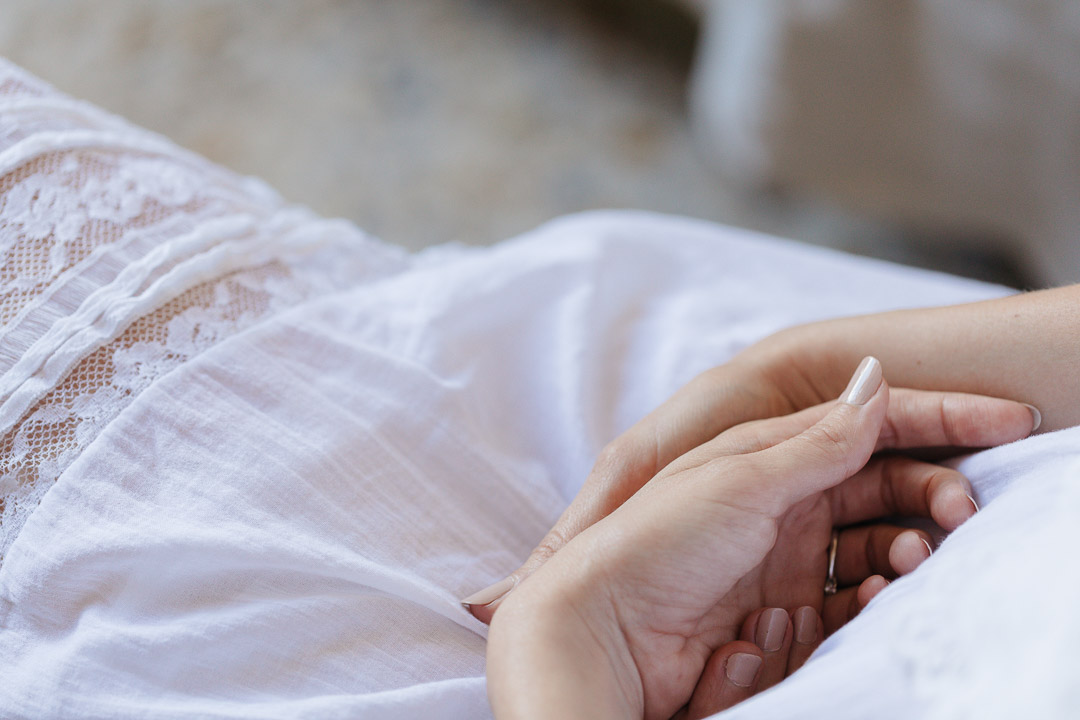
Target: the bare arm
(1024, 347)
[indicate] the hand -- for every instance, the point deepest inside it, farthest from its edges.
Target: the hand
(778, 376)
(770, 643)
(622, 621)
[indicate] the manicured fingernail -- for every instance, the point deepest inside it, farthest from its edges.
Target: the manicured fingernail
(742, 669)
(973, 503)
(805, 622)
(771, 628)
(1036, 416)
(864, 383)
(491, 593)
(929, 550)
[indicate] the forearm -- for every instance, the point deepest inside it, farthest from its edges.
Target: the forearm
(1024, 347)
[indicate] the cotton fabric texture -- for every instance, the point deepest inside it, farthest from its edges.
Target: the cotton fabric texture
(300, 447)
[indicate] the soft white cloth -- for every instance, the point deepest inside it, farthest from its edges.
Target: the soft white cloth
(279, 519)
(283, 526)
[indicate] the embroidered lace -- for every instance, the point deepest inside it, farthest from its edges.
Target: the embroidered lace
(122, 257)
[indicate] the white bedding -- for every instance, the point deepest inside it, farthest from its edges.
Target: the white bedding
(282, 525)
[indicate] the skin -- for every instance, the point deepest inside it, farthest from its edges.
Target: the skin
(636, 614)
(1021, 348)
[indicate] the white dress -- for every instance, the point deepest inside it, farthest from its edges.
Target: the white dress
(252, 459)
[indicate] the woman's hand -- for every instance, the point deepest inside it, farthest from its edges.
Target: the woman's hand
(1002, 348)
(622, 621)
(770, 640)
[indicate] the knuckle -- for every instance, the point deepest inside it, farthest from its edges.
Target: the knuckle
(890, 434)
(554, 541)
(871, 548)
(891, 477)
(828, 438)
(612, 458)
(953, 421)
(938, 478)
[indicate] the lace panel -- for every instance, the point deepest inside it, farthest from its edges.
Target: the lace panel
(122, 257)
(53, 434)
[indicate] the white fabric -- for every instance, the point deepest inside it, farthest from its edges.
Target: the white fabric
(122, 256)
(280, 524)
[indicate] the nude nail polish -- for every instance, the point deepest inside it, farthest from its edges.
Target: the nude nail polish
(1036, 416)
(864, 383)
(771, 629)
(805, 626)
(491, 593)
(742, 668)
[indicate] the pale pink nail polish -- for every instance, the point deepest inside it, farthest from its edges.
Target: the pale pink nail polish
(864, 383)
(805, 625)
(1036, 416)
(742, 669)
(491, 593)
(771, 629)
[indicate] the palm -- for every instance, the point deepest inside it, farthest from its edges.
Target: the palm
(665, 573)
(793, 573)
(675, 635)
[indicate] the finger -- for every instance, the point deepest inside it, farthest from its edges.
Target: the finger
(880, 549)
(896, 485)
(807, 633)
(828, 452)
(770, 629)
(915, 419)
(925, 418)
(840, 608)
(703, 408)
(869, 589)
(730, 676)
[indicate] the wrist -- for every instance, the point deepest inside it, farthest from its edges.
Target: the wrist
(555, 649)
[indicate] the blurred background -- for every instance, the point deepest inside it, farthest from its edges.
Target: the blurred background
(940, 133)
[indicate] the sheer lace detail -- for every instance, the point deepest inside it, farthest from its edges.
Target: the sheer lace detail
(56, 430)
(121, 258)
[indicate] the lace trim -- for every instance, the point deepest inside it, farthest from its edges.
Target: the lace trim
(121, 258)
(64, 422)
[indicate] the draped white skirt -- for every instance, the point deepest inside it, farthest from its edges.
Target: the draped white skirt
(251, 459)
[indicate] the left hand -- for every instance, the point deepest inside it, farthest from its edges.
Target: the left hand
(622, 621)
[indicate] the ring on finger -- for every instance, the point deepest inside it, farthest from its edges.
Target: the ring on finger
(830, 578)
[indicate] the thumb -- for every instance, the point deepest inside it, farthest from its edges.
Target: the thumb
(834, 448)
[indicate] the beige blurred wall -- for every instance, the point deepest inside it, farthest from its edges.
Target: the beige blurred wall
(422, 121)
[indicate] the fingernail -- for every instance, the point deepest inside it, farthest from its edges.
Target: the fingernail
(929, 550)
(771, 628)
(491, 593)
(1036, 416)
(742, 668)
(973, 503)
(864, 383)
(805, 622)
